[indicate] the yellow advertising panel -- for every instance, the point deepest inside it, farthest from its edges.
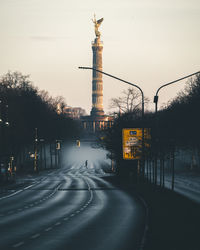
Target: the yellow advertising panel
(132, 142)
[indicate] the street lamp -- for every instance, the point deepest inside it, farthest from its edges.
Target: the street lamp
(169, 83)
(156, 110)
(134, 85)
(142, 94)
(58, 148)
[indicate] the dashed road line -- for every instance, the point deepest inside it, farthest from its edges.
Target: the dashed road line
(35, 236)
(29, 186)
(18, 244)
(58, 223)
(30, 205)
(48, 229)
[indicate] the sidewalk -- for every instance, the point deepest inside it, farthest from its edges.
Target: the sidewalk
(174, 220)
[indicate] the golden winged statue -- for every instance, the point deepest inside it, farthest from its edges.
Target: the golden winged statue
(97, 23)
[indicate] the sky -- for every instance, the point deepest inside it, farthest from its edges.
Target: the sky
(146, 42)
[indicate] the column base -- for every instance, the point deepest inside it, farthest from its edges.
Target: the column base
(96, 112)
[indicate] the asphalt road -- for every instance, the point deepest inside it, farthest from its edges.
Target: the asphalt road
(72, 208)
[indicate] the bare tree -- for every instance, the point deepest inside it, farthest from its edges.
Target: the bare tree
(16, 80)
(59, 103)
(129, 102)
(54, 103)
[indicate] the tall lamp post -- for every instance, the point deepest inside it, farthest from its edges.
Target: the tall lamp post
(156, 110)
(36, 151)
(142, 95)
(134, 85)
(169, 83)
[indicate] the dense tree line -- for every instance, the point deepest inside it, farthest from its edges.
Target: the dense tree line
(178, 124)
(175, 127)
(22, 109)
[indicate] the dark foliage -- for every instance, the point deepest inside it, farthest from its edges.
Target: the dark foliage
(176, 126)
(25, 109)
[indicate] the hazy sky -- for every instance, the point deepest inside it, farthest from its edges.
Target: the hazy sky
(147, 42)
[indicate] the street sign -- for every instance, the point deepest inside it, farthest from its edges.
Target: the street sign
(132, 142)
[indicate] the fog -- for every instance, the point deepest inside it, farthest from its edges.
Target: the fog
(72, 155)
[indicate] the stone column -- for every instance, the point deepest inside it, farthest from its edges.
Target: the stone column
(97, 82)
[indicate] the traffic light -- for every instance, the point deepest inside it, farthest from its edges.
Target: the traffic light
(78, 144)
(58, 145)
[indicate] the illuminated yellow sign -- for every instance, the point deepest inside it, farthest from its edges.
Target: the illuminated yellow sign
(132, 142)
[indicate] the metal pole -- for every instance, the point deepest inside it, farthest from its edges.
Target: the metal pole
(35, 153)
(160, 173)
(153, 174)
(155, 171)
(41, 155)
(45, 159)
(56, 156)
(150, 169)
(51, 158)
(172, 163)
(163, 160)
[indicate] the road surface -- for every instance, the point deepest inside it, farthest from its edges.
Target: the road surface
(72, 208)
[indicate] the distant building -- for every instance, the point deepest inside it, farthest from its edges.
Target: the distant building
(74, 112)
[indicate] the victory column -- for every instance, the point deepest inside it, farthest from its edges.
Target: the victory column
(97, 119)
(97, 82)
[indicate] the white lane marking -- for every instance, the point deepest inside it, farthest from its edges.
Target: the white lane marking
(35, 236)
(19, 191)
(29, 186)
(19, 209)
(71, 215)
(66, 218)
(48, 229)
(57, 224)
(11, 194)
(18, 244)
